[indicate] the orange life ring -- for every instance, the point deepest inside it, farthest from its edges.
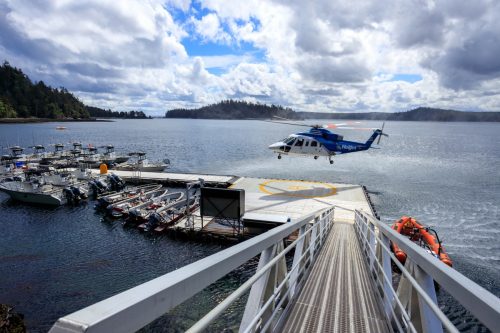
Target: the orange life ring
(408, 226)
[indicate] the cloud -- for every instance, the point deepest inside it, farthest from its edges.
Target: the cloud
(419, 26)
(210, 29)
(331, 69)
(319, 55)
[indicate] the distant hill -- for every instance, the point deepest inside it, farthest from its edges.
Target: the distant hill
(21, 98)
(419, 114)
(231, 109)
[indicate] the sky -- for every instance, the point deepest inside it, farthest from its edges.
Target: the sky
(322, 55)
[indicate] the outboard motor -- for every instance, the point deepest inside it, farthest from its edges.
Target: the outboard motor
(93, 187)
(117, 183)
(78, 193)
(70, 196)
(133, 214)
(153, 222)
(101, 186)
(101, 203)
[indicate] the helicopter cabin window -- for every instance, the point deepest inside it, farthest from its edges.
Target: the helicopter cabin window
(307, 143)
(299, 142)
(314, 144)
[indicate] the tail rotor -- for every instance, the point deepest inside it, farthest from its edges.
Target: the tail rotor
(382, 133)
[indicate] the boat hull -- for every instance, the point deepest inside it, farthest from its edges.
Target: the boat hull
(34, 198)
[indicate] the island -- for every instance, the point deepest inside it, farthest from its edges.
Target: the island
(231, 109)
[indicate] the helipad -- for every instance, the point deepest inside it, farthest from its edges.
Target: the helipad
(298, 198)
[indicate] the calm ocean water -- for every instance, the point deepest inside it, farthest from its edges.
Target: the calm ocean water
(56, 261)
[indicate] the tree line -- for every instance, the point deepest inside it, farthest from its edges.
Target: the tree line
(418, 114)
(233, 109)
(22, 98)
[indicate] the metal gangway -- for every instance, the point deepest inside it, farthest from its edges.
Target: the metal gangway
(339, 280)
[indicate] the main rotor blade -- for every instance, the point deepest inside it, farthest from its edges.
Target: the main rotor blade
(284, 123)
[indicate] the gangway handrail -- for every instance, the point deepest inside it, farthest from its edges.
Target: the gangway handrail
(481, 303)
(134, 308)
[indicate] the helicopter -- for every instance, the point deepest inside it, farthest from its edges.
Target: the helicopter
(319, 141)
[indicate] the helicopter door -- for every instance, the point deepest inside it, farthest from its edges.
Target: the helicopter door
(298, 146)
(315, 147)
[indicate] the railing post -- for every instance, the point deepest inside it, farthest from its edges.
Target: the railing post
(264, 287)
(299, 249)
(421, 316)
(387, 271)
(314, 235)
(371, 244)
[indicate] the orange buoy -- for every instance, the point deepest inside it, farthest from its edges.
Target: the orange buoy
(421, 235)
(103, 169)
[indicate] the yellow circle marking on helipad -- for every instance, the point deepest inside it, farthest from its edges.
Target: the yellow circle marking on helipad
(297, 188)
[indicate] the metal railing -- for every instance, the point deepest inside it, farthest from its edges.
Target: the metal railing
(413, 306)
(272, 286)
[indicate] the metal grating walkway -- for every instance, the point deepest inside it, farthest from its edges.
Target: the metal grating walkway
(338, 295)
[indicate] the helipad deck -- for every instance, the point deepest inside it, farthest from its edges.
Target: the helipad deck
(298, 198)
(291, 199)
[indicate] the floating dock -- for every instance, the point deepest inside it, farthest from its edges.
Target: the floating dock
(172, 178)
(265, 199)
(340, 279)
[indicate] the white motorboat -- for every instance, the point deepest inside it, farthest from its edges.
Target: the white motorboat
(110, 156)
(142, 212)
(142, 164)
(30, 192)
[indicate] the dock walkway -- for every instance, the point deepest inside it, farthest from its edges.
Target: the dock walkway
(172, 177)
(338, 295)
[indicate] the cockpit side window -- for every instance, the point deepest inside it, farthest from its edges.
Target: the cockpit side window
(299, 142)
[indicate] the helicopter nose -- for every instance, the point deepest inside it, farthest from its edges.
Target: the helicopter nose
(276, 146)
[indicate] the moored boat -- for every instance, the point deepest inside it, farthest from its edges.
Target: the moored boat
(29, 192)
(168, 215)
(141, 163)
(122, 208)
(142, 212)
(423, 236)
(118, 196)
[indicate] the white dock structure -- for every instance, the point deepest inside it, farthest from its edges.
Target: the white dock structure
(340, 279)
(170, 177)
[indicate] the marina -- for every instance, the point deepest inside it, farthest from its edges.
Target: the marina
(272, 202)
(327, 225)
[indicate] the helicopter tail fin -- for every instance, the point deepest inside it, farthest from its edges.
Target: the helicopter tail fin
(372, 138)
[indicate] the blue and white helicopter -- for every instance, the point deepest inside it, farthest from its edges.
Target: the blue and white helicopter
(319, 141)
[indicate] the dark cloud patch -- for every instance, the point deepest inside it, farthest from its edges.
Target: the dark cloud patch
(92, 70)
(418, 26)
(76, 82)
(331, 69)
(324, 92)
(465, 67)
(39, 50)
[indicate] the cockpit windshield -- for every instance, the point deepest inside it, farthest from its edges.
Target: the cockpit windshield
(289, 141)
